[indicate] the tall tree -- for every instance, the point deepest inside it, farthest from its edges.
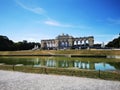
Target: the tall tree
(115, 43)
(9, 45)
(5, 43)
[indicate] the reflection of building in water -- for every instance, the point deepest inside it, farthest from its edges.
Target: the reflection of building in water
(92, 65)
(83, 65)
(63, 63)
(66, 64)
(50, 63)
(66, 41)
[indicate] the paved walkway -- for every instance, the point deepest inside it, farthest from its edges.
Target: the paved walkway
(23, 81)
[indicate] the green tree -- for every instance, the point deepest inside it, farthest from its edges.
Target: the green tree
(9, 45)
(114, 43)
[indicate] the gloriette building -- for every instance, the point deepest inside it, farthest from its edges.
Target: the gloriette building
(66, 42)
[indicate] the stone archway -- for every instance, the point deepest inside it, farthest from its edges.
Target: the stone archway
(66, 42)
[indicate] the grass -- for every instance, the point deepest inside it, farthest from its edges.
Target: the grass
(76, 52)
(62, 71)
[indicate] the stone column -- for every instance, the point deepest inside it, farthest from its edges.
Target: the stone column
(48, 44)
(56, 43)
(43, 44)
(91, 41)
(70, 42)
(53, 43)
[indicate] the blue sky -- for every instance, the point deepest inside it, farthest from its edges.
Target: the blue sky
(34, 20)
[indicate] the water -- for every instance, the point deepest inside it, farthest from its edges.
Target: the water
(60, 62)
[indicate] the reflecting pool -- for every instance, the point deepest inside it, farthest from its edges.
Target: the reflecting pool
(61, 62)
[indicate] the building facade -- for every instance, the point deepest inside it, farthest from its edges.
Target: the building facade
(66, 42)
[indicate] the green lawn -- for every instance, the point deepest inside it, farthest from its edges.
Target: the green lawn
(63, 71)
(78, 52)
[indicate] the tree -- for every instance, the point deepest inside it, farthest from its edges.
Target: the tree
(5, 43)
(115, 43)
(24, 45)
(9, 45)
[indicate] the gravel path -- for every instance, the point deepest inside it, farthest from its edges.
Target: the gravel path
(25, 81)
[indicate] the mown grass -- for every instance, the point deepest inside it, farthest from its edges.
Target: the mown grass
(77, 52)
(88, 52)
(63, 71)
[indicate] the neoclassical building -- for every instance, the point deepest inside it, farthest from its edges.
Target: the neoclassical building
(66, 41)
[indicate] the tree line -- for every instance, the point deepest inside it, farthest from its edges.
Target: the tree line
(115, 43)
(9, 45)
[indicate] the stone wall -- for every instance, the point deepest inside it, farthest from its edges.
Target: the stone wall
(66, 42)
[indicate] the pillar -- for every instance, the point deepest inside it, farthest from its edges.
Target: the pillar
(91, 41)
(56, 43)
(70, 42)
(43, 44)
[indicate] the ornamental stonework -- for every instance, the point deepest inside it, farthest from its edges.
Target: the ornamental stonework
(66, 42)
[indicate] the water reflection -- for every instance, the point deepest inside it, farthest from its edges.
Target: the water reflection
(61, 63)
(103, 66)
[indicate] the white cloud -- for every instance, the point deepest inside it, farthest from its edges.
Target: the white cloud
(49, 21)
(58, 24)
(55, 23)
(52, 23)
(36, 10)
(114, 21)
